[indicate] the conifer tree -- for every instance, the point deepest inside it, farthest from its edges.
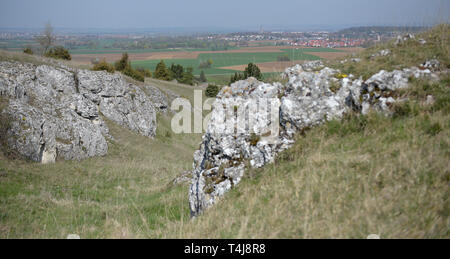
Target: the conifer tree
(161, 71)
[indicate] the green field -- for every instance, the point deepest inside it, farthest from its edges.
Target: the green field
(82, 51)
(16, 44)
(233, 59)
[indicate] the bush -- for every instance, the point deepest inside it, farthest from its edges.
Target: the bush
(176, 71)
(252, 70)
(144, 71)
(254, 139)
(433, 129)
(212, 90)
(161, 72)
(283, 58)
(28, 51)
(136, 75)
(237, 77)
(187, 77)
(58, 52)
(405, 109)
(103, 65)
(123, 63)
(202, 77)
(205, 64)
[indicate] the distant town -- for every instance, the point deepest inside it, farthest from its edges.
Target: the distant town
(352, 37)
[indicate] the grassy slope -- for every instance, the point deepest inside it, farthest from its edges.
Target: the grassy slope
(410, 53)
(126, 194)
(366, 174)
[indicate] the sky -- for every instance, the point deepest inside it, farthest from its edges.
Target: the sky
(230, 14)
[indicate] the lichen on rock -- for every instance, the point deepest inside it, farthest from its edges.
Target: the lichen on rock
(56, 110)
(312, 95)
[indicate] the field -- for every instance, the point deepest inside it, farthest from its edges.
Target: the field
(225, 62)
(228, 62)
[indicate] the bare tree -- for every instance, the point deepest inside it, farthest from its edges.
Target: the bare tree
(47, 39)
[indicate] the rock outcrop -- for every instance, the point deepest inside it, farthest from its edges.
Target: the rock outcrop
(313, 94)
(57, 112)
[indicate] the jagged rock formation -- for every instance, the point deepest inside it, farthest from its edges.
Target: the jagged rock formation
(160, 100)
(55, 110)
(313, 95)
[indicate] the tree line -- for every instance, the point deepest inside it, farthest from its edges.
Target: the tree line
(162, 72)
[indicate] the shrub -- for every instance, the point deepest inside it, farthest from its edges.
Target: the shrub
(187, 77)
(212, 90)
(136, 75)
(123, 63)
(252, 70)
(144, 71)
(28, 51)
(405, 109)
(205, 64)
(176, 71)
(254, 139)
(161, 72)
(283, 58)
(237, 77)
(58, 52)
(202, 77)
(103, 65)
(433, 129)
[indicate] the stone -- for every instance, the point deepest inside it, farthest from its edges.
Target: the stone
(73, 236)
(430, 100)
(56, 110)
(381, 53)
(432, 65)
(422, 41)
(312, 95)
(401, 39)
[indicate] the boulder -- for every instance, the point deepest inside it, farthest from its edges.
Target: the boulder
(433, 65)
(55, 110)
(313, 94)
(381, 53)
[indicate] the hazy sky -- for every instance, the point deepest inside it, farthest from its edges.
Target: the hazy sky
(245, 14)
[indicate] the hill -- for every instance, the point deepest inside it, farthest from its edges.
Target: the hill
(384, 171)
(364, 174)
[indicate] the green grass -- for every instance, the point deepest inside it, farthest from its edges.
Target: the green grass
(16, 44)
(112, 51)
(35, 59)
(411, 53)
(126, 194)
(345, 179)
